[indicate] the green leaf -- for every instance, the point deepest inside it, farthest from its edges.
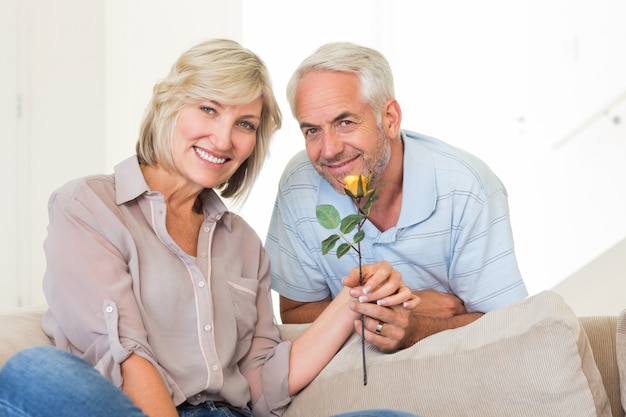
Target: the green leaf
(327, 216)
(329, 243)
(359, 236)
(342, 250)
(349, 222)
(370, 201)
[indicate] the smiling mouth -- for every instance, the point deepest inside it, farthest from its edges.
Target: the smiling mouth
(208, 157)
(340, 164)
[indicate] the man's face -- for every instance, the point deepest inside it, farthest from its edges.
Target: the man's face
(340, 130)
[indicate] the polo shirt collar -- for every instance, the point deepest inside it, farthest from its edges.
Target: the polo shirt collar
(419, 194)
(419, 188)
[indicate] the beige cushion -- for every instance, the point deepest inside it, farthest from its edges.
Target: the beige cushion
(20, 329)
(532, 358)
(620, 343)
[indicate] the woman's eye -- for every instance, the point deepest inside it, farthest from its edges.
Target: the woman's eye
(207, 109)
(247, 125)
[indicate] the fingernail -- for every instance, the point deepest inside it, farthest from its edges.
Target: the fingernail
(381, 302)
(362, 299)
(366, 290)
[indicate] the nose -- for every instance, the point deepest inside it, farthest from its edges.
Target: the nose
(331, 145)
(221, 135)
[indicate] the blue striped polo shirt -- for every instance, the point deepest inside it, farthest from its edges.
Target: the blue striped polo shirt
(453, 234)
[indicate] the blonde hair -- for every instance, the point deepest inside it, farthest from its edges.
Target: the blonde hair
(372, 68)
(220, 70)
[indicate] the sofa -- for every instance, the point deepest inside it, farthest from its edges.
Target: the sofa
(534, 358)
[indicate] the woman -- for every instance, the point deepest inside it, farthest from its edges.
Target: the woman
(157, 286)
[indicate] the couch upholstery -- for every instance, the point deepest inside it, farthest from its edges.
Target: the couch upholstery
(431, 377)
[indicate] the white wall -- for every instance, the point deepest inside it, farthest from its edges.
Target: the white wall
(9, 155)
(506, 80)
(532, 87)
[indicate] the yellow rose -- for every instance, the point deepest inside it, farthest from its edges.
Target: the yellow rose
(355, 185)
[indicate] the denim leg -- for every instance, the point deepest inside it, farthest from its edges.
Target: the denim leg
(44, 381)
(376, 413)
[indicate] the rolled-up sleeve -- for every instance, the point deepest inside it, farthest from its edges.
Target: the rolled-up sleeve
(92, 309)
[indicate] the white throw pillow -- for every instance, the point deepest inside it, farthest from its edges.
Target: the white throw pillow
(531, 358)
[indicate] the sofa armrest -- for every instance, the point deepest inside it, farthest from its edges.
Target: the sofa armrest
(19, 329)
(601, 331)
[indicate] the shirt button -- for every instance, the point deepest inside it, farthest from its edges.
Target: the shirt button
(109, 309)
(203, 255)
(198, 396)
(215, 367)
(201, 284)
(218, 217)
(207, 229)
(207, 327)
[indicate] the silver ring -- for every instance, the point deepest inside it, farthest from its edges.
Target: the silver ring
(379, 328)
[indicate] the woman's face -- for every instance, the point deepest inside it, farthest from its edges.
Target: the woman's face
(211, 140)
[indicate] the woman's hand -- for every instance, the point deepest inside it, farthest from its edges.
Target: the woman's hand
(381, 284)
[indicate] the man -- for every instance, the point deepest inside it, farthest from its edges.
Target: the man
(441, 219)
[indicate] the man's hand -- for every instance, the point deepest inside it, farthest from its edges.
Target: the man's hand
(395, 328)
(393, 322)
(438, 304)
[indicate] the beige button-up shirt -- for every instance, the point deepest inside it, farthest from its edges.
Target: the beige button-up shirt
(117, 283)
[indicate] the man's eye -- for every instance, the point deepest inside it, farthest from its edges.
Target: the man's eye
(311, 131)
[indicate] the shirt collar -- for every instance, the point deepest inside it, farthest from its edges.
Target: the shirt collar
(419, 193)
(130, 184)
(419, 188)
(129, 181)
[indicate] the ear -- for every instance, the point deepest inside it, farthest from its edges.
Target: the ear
(391, 118)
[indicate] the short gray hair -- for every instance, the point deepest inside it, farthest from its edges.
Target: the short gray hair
(368, 64)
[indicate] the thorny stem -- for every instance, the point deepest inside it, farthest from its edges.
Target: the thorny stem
(362, 319)
(358, 204)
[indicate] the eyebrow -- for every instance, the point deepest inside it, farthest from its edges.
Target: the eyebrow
(221, 106)
(337, 118)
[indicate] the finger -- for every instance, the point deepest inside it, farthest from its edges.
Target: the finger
(378, 274)
(373, 327)
(412, 303)
(373, 313)
(392, 292)
(353, 279)
(404, 297)
(379, 328)
(380, 278)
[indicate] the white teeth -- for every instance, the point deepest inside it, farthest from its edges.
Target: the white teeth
(207, 157)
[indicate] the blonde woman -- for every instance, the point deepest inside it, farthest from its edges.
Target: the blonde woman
(152, 283)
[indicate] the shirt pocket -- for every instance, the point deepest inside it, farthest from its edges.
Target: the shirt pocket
(244, 294)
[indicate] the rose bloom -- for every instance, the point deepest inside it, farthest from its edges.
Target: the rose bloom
(351, 185)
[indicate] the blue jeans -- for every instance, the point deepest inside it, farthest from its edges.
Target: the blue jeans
(43, 381)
